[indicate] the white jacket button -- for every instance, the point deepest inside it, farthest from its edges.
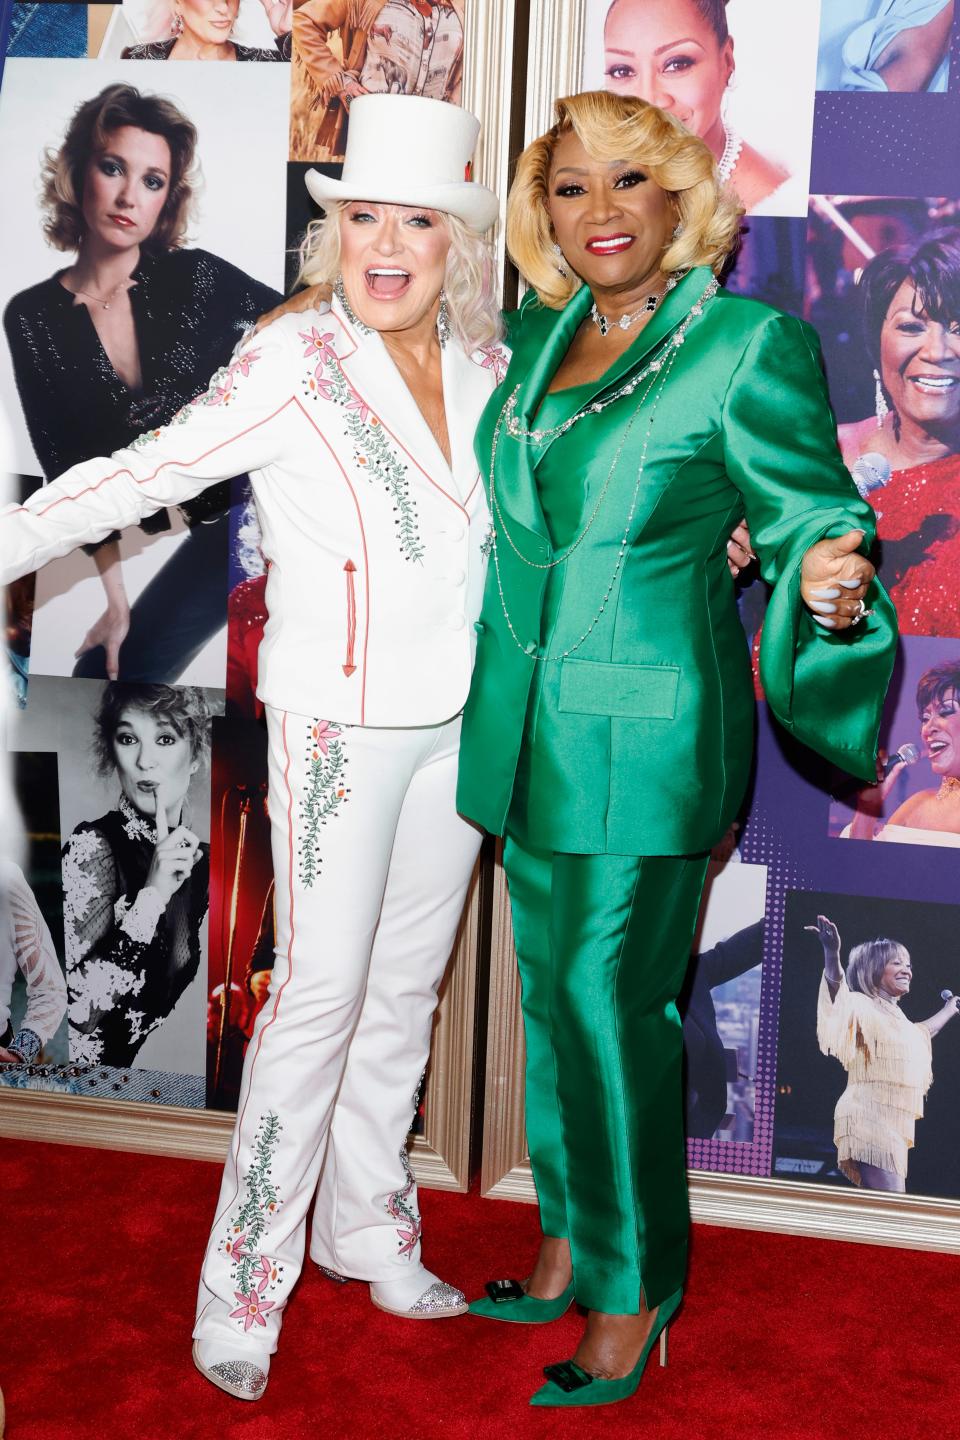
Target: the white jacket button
(456, 532)
(456, 577)
(457, 620)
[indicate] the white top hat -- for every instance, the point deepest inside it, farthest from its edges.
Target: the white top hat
(408, 150)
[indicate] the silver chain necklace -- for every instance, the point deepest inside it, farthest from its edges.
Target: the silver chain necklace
(537, 435)
(658, 379)
(657, 372)
(605, 325)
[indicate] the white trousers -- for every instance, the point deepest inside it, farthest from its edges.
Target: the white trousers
(372, 864)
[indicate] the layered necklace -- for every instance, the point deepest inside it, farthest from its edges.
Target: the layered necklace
(654, 376)
(650, 304)
(732, 145)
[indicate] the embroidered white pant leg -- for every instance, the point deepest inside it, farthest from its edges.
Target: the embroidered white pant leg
(336, 797)
(366, 1221)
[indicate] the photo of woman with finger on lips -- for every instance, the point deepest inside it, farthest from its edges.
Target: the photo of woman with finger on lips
(136, 879)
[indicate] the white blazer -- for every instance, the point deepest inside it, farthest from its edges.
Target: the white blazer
(375, 547)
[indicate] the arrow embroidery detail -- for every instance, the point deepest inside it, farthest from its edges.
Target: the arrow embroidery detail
(350, 570)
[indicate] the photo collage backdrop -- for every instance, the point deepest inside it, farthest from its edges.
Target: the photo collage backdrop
(838, 127)
(148, 642)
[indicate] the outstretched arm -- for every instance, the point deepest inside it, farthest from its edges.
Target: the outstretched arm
(230, 429)
(943, 1016)
(829, 937)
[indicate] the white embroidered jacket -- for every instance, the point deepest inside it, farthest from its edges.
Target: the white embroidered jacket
(375, 547)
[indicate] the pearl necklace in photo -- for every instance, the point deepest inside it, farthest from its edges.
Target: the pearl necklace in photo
(731, 153)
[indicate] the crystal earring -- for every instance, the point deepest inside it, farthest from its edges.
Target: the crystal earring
(443, 321)
(881, 408)
(678, 230)
(561, 267)
(176, 24)
(341, 294)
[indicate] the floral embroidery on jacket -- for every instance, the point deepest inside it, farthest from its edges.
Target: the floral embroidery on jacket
(495, 358)
(220, 391)
(254, 1274)
(325, 792)
(371, 448)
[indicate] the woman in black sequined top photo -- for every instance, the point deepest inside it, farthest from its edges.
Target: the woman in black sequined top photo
(136, 880)
(118, 342)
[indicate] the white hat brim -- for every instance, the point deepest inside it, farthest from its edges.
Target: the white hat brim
(477, 206)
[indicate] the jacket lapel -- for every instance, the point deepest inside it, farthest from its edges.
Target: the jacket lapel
(467, 387)
(516, 489)
(381, 388)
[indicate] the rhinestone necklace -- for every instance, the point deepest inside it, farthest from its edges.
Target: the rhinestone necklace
(515, 428)
(949, 787)
(732, 145)
(658, 379)
(605, 325)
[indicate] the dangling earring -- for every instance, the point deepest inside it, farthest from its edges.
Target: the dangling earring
(678, 230)
(341, 294)
(881, 408)
(561, 268)
(443, 321)
(176, 24)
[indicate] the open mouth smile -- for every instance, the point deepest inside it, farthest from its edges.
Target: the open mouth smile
(934, 384)
(387, 282)
(609, 244)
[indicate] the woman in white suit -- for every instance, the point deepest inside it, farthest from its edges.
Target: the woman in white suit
(355, 421)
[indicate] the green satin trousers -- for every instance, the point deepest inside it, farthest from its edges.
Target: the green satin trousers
(603, 942)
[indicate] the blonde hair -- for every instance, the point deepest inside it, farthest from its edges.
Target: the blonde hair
(469, 283)
(868, 961)
(621, 127)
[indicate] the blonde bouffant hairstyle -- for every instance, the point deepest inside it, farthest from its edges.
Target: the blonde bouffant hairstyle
(621, 127)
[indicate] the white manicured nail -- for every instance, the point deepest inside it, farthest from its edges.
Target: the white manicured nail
(830, 624)
(850, 584)
(823, 609)
(826, 594)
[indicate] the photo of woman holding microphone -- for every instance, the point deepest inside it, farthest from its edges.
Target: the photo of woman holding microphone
(887, 1057)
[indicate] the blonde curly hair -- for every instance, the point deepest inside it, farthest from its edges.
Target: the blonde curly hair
(621, 127)
(469, 283)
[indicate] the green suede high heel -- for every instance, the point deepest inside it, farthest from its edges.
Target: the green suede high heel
(507, 1300)
(568, 1385)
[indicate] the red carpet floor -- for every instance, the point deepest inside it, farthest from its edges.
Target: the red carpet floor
(780, 1338)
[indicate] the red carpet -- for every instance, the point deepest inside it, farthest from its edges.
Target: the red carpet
(780, 1338)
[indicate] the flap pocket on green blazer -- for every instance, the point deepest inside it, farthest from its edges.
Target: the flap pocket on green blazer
(595, 687)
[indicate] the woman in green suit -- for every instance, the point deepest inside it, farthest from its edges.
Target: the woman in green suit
(608, 733)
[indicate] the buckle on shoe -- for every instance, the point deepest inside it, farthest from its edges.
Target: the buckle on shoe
(568, 1376)
(504, 1290)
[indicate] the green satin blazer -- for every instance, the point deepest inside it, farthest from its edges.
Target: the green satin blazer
(651, 718)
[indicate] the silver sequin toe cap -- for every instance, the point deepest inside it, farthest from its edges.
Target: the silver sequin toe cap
(439, 1301)
(239, 1377)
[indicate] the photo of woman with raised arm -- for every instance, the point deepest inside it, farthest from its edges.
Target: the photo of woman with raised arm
(118, 341)
(136, 879)
(887, 1057)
